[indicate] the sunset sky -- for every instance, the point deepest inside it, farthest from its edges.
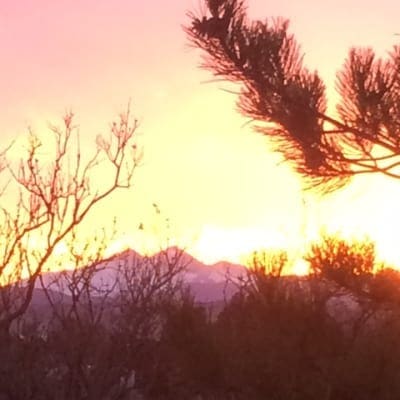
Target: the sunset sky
(224, 192)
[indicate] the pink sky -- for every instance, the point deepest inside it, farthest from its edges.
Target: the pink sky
(211, 175)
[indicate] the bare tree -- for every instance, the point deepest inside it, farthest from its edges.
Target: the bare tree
(50, 192)
(99, 330)
(83, 358)
(289, 100)
(147, 286)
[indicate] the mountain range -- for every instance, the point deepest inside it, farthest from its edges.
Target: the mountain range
(207, 283)
(210, 285)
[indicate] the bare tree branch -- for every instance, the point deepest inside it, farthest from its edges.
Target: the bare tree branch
(55, 194)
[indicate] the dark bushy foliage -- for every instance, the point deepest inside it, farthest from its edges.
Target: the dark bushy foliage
(334, 334)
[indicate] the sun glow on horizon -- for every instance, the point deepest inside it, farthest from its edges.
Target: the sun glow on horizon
(219, 244)
(358, 212)
(202, 161)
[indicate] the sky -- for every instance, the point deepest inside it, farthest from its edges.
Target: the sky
(222, 188)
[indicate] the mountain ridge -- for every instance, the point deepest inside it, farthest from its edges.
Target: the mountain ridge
(207, 282)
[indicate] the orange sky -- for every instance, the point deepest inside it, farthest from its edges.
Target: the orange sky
(210, 174)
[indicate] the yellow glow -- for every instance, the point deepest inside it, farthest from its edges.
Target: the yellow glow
(216, 244)
(223, 188)
(61, 249)
(300, 268)
(123, 243)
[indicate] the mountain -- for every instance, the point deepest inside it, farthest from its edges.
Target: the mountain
(208, 283)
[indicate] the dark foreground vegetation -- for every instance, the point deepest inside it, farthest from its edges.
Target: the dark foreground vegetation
(334, 334)
(130, 328)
